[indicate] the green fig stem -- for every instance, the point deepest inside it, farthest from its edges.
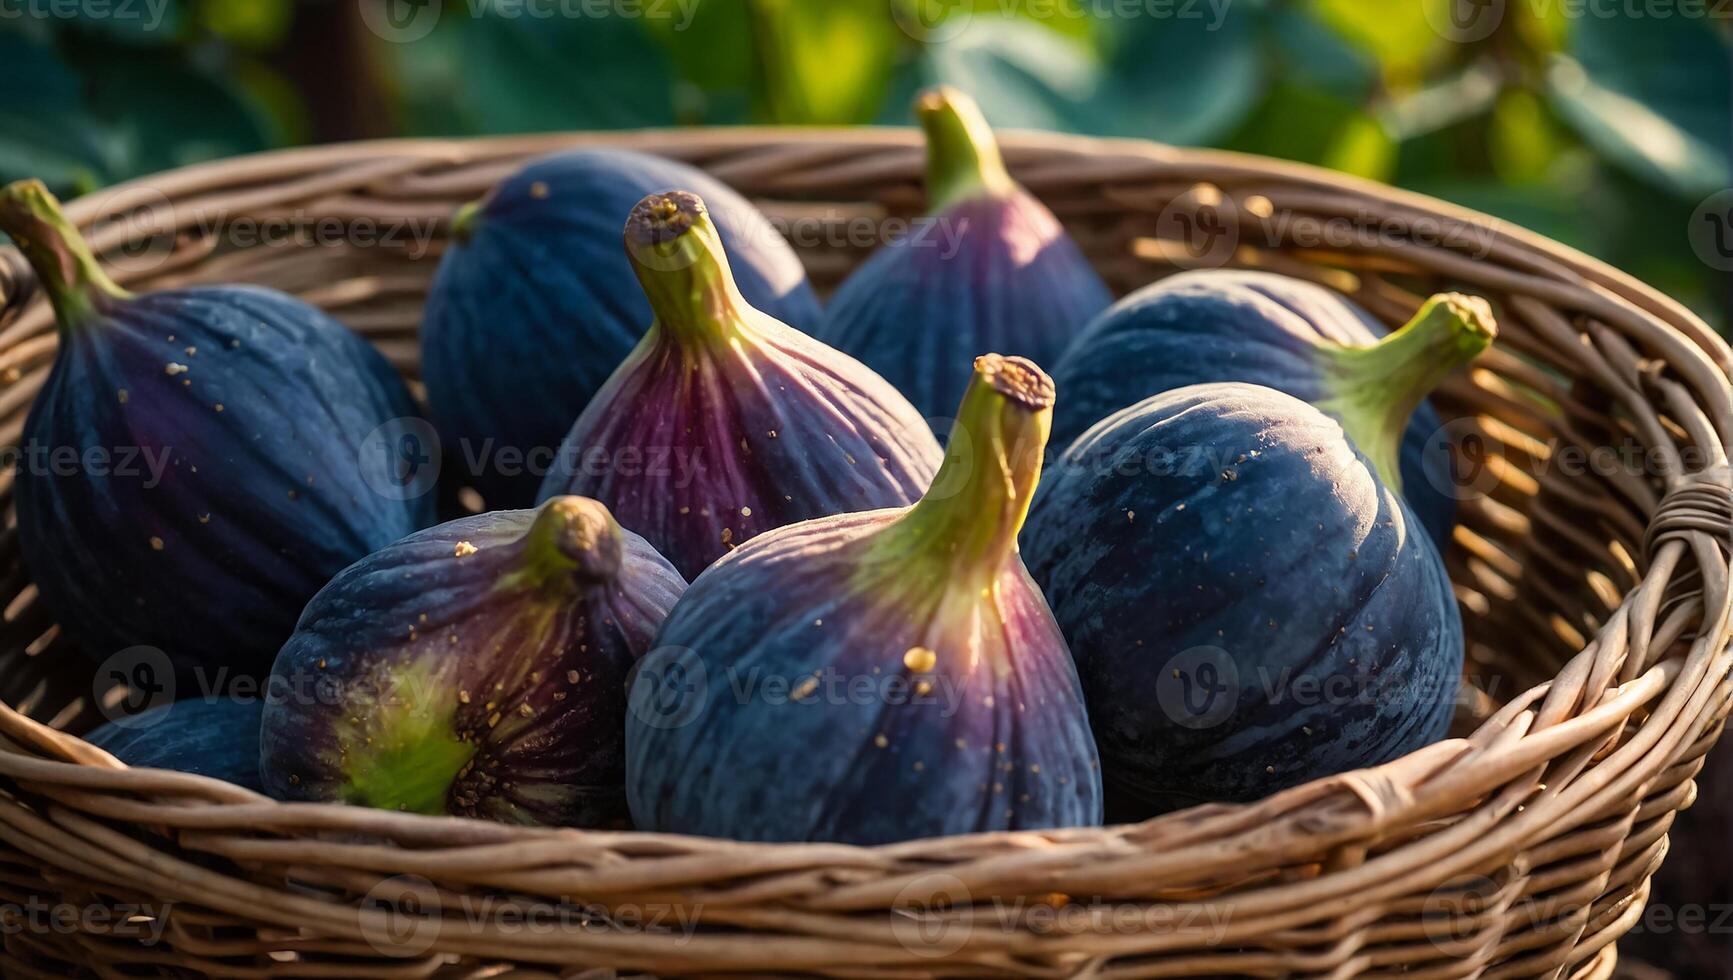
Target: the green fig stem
(67, 269)
(573, 540)
(464, 219)
(678, 258)
(963, 158)
(969, 519)
(1377, 388)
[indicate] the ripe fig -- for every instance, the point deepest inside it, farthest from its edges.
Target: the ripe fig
(1248, 604)
(874, 677)
(989, 269)
(477, 668)
(193, 466)
(1296, 337)
(533, 305)
(725, 422)
(218, 738)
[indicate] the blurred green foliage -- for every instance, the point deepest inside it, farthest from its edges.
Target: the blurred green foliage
(1601, 123)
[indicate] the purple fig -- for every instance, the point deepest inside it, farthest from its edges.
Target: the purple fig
(873, 677)
(992, 270)
(724, 422)
(477, 668)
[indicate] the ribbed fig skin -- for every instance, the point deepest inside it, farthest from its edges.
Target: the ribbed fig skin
(535, 306)
(770, 431)
(216, 738)
(1248, 606)
(1001, 742)
(1229, 325)
(725, 422)
(917, 312)
(262, 405)
(463, 671)
(880, 676)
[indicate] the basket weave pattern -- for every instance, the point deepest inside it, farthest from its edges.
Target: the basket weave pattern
(1596, 605)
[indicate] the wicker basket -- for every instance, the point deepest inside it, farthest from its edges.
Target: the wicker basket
(1595, 596)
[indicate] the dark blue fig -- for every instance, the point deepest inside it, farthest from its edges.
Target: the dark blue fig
(724, 422)
(1296, 337)
(534, 306)
(194, 465)
(1249, 606)
(477, 668)
(218, 738)
(989, 269)
(874, 677)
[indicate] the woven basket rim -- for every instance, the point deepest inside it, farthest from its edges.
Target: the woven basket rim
(1542, 727)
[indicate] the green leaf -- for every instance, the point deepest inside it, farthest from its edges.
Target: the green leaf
(1022, 75)
(256, 24)
(1523, 140)
(1652, 94)
(45, 129)
(528, 74)
(144, 23)
(1401, 36)
(1315, 126)
(823, 62)
(165, 111)
(1314, 54)
(1188, 77)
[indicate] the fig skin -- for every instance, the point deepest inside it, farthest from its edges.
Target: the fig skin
(476, 669)
(534, 306)
(879, 676)
(1230, 537)
(218, 738)
(724, 422)
(1296, 337)
(992, 269)
(255, 406)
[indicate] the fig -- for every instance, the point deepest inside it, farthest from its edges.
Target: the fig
(879, 676)
(477, 668)
(725, 422)
(533, 306)
(990, 268)
(1296, 337)
(193, 468)
(1249, 605)
(218, 738)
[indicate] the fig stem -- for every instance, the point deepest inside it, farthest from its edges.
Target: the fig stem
(971, 515)
(64, 264)
(1378, 387)
(678, 257)
(464, 219)
(572, 540)
(963, 159)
